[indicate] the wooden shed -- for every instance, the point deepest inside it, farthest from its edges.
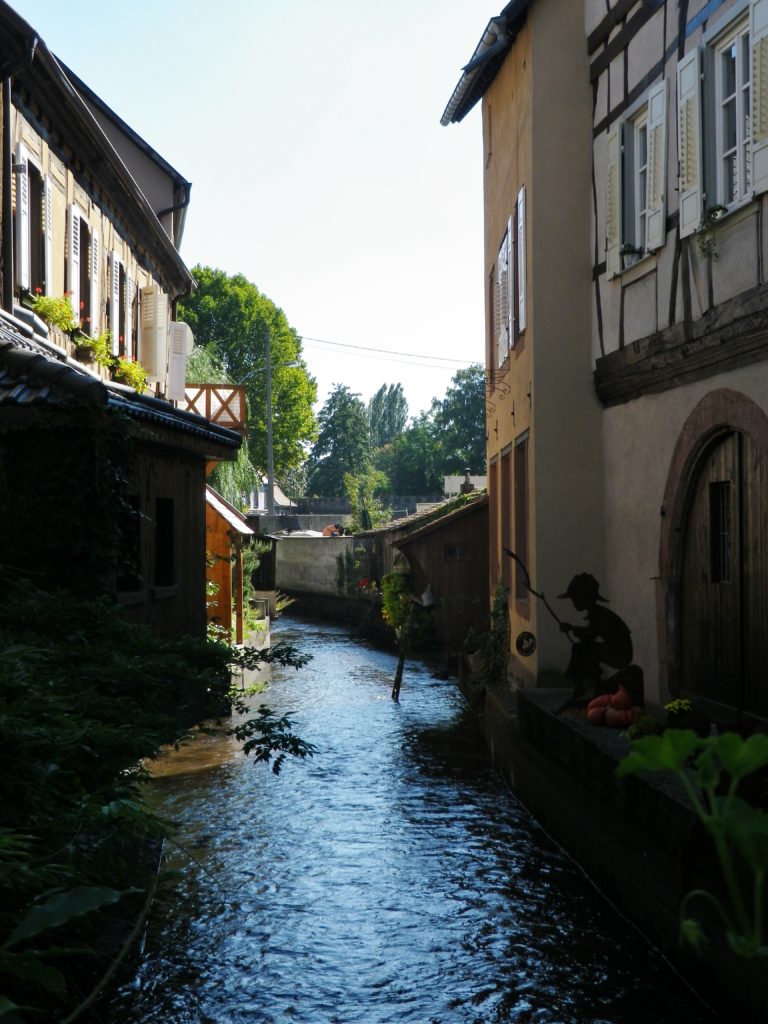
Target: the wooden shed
(226, 531)
(450, 555)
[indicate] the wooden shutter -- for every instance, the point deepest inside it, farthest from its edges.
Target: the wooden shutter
(502, 305)
(180, 344)
(73, 259)
(95, 293)
(511, 298)
(521, 265)
(758, 39)
(689, 141)
(656, 199)
(114, 303)
(22, 217)
(128, 326)
(48, 234)
(613, 205)
(154, 329)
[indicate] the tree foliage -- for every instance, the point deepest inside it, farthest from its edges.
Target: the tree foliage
(233, 320)
(343, 444)
(387, 414)
(364, 493)
(413, 461)
(459, 422)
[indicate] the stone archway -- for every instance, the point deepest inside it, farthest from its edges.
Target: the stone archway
(713, 593)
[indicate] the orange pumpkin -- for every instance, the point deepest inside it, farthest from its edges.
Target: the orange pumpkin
(622, 718)
(621, 700)
(596, 715)
(600, 702)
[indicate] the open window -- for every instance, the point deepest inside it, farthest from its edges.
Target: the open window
(722, 111)
(636, 182)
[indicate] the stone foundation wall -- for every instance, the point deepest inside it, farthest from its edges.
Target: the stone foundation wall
(636, 838)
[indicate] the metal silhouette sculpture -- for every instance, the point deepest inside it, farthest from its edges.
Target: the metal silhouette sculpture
(603, 639)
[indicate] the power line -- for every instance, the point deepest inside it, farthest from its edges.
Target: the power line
(390, 352)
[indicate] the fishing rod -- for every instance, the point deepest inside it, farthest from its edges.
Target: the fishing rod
(530, 588)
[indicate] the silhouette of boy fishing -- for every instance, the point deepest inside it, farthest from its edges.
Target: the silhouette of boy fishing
(602, 639)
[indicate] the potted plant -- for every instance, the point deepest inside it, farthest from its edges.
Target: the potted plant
(94, 350)
(56, 311)
(129, 371)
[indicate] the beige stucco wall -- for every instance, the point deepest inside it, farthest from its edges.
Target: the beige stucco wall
(566, 493)
(639, 439)
(536, 133)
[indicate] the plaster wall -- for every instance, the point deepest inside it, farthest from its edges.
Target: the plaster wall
(566, 461)
(639, 439)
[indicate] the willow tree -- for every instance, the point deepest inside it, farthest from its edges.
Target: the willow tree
(235, 322)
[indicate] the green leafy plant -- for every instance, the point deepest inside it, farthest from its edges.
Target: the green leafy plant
(56, 310)
(706, 242)
(130, 372)
(710, 770)
(99, 348)
(492, 648)
(85, 699)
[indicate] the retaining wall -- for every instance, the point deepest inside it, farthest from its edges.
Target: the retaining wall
(636, 838)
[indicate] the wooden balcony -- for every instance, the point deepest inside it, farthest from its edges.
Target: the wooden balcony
(223, 404)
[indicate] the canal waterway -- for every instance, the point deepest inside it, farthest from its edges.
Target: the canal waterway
(392, 878)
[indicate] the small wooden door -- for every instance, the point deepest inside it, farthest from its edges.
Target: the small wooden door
(724, 580)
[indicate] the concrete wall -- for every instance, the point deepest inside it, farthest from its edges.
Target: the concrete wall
(311, 564)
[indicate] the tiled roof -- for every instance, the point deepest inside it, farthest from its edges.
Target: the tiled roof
(33, 374)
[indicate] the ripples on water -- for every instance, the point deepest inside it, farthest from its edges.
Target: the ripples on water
(390, 879)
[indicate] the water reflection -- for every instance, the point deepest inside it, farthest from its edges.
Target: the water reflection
(392, 878)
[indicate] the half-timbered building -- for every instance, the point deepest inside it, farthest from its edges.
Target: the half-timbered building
(102, 487)
(680, 337)
(625, 162)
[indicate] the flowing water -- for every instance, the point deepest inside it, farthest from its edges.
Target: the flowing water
(392, 878)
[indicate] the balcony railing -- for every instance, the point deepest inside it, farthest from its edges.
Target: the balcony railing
(223, 404)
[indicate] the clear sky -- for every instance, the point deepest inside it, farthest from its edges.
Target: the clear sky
(310, 130)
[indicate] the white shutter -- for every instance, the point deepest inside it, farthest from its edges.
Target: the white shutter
(128, 328)
(511, 302)
(613, 205)
(689, 141)
(154, 329)
(521, 276)
(656, 200)
(22, 217)
(48, 234)
(758, 38)
(95, 292)
(114, 303)
(180, 344)
(502, 291)
(73, 259)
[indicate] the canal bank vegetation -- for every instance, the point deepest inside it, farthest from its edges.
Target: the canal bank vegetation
(85, 700)
(725, 780)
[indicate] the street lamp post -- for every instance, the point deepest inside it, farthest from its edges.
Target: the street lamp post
(270, 451)
(270, 443)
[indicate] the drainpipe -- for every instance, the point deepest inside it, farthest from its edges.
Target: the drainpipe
(8, 73)
(178, 208)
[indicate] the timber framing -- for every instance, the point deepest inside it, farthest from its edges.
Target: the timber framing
(733, 334)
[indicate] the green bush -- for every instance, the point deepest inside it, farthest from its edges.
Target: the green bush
(85, 698)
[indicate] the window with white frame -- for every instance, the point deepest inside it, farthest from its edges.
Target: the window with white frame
(636, 182)
(733, 121)
(32, 225)
(508, 304)
(722, 112)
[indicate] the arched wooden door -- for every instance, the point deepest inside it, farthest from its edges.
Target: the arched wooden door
(724, 578)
